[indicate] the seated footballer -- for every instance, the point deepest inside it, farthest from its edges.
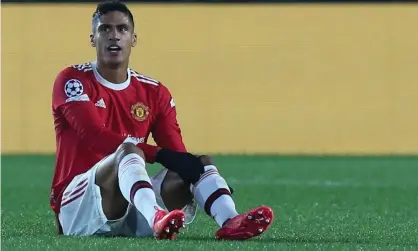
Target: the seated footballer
(104, 113)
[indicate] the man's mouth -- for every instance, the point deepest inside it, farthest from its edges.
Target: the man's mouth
(114, 48)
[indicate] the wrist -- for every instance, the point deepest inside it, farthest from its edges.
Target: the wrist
(149, 151)
(159, 156)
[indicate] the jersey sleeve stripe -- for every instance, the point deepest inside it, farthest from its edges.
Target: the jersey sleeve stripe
(147, 78)
(144, 78)
(148, 82)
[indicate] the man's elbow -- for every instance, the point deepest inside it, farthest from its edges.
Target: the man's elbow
(89, 135)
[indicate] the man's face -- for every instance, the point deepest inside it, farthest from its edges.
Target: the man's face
(113, 36)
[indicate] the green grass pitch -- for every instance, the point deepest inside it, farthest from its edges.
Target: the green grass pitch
(320, 203)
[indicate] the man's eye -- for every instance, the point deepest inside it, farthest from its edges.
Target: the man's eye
(104, 29)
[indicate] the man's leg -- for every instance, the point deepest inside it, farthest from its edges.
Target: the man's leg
(175, 193)
(214, 196)
(123, 179)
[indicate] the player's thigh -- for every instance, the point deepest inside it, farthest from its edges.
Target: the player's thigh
(113, 203)
(81, 212)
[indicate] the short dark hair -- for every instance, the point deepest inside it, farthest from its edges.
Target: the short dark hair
(109, 6)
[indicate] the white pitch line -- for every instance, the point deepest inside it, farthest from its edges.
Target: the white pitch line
(315, 183)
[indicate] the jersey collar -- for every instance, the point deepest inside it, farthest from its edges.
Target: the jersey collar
(110, 85)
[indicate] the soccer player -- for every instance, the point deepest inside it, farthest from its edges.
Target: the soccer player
(104, 113)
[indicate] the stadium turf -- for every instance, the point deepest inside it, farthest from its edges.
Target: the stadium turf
(321, 203)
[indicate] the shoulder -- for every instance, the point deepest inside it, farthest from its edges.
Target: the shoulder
(144, 80)
(149, 83)
(73, 79)
(76, 71)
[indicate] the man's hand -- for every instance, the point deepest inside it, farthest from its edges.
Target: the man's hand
(186, 165)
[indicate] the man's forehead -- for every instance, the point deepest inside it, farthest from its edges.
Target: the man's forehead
(114, 17)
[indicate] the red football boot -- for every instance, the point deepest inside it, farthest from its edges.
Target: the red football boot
(167, 224)
(247, 225)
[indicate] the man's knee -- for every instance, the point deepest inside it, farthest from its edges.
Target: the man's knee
(206, 160)
(125, 149)
(175, 191)
(107, 173)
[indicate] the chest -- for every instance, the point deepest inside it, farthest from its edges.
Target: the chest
(130, 112)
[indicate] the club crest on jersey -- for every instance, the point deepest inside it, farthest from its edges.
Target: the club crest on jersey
(140, 111)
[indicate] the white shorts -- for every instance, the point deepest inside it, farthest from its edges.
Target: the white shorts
(81, 212)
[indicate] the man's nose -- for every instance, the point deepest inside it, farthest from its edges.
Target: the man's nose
(114, 35)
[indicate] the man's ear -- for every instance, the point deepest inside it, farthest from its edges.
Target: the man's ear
(134, 40)
(93, 44)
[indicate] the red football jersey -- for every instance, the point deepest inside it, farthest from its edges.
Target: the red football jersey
(93, 117)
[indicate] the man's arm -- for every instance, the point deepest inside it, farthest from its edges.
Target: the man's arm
(71, 98)
(166, 130)
(82, 116)
(167, 134)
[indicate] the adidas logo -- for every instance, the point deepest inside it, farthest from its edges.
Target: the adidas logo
(100, 103)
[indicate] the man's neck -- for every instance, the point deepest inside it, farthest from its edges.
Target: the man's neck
(115, 75)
